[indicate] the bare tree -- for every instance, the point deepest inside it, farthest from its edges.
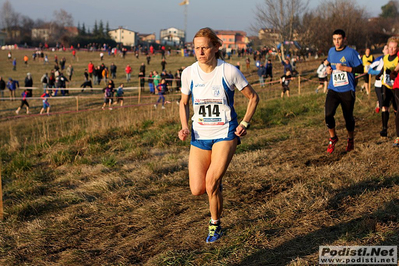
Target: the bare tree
(9, 18)
(63, 18)
(318, 25)
(280, 15)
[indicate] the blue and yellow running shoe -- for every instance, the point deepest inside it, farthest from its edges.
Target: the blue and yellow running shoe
(215, 232)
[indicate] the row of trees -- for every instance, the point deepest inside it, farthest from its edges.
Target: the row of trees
(98, 30)
(19, 28)
(313, 28)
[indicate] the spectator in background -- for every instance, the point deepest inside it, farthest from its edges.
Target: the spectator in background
(169, 80)
(163, 64)
(26, 59)
(105, 75)
(148, 59)
(113, 70)
(247, 63)
(90, 69)
(178, 79)
(261, 75)
(2, 87)
(51, 80)
(128, 71)
(287, 65)
(157, 79)
(293, 66)
(60, 83)
(14, 64)
(44, 80)
(142, 80)
(269, 70)
(151, 82)
(69, 72)
(86, 75)
(99, 74)
(29, 84)
(62, 63)
(142, 68)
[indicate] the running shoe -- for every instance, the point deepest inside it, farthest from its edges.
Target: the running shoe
(384, 132)
(331, 144)
(396, 142)
(215, 232)
(351, 145)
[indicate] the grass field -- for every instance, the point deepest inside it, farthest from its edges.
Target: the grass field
(111, 187)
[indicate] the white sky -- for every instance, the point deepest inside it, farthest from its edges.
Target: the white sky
(150, 16)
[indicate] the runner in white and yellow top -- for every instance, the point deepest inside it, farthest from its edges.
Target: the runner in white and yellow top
(210, 83)
(367, 59)
(388, 77)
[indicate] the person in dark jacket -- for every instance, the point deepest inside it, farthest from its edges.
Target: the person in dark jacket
(29, 84)
(2, 87)
(261, 75)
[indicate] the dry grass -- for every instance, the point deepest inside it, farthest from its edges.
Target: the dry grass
(100, 189)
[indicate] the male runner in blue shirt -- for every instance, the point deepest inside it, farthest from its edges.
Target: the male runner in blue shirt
(344, 63)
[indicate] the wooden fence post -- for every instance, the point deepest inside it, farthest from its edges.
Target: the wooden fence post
(77, 103)
(1, 196)
(299, 84)
(369, 87)
(139, 91)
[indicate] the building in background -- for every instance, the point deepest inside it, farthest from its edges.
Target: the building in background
(147, 38)
(50, 31)
(233, 39)
(172, 37)
(124, 36)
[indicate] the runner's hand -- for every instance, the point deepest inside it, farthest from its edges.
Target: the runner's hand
(241, 131)
(183, 134)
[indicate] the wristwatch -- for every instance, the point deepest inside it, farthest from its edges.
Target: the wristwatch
(245, 124)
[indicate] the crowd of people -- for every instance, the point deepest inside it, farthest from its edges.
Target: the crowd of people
(164, 81)
(56, 81)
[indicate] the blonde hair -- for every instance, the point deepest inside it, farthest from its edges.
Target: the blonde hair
(393, 39)
(215, 40)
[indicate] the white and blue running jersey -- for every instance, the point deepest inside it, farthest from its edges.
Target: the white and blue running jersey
(212, 96)
(342, 81)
